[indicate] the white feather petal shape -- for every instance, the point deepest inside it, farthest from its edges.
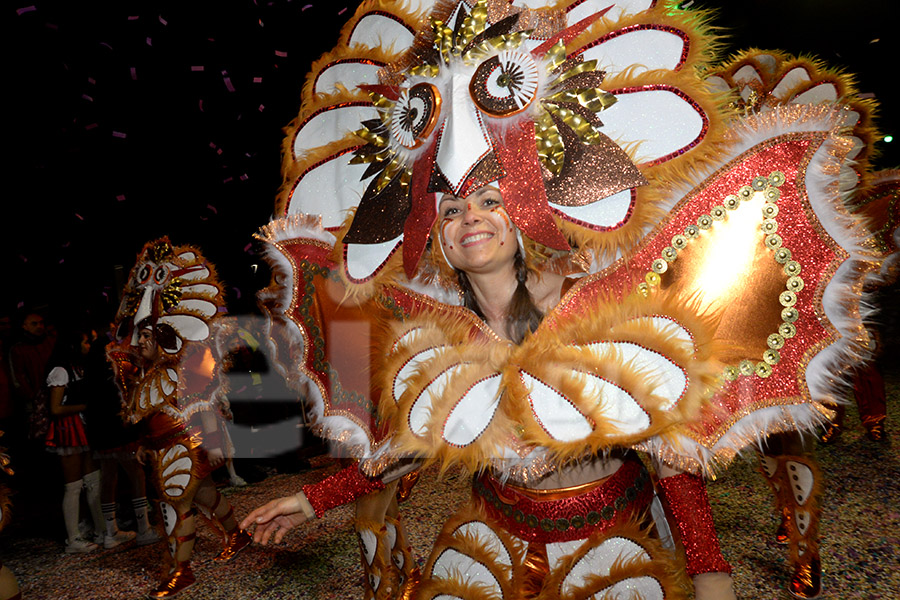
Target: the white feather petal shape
(662, 120)
(576, 11)
(643, 47)
(330, 189)
(195, 273)
(554, 412)
(204, 307)
(451, 563)
(362, 261)
(400, 384)
(176, 484)
(644, 587)
(789, 82)
(487, 538)
(473, 412)
(671, 380)
(169, 381)
(824, 92)
(607, 213)
(331, 124)
(188, 327)
(201, 289)
(616, 405)
(382, 30)
(349, 73)
(421, 409)
(599, 561)
(181, 464)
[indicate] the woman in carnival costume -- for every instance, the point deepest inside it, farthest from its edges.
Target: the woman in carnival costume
(166, 362)
(564, 249)
(69, 394)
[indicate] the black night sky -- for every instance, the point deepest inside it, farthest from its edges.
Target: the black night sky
(131, 120)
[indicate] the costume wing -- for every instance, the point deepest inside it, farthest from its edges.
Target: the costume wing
(320, 340)
(602, 371)
(764, 242)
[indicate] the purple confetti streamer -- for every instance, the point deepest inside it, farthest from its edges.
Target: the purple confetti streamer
(162, 20)
(120, 198)
(119, 134)
(25, 9)
(248, 246)
(196, 68)
(305, 7)
(133, 73)
(281, 53)
(212, 208)
(91, 126)
(227, 80)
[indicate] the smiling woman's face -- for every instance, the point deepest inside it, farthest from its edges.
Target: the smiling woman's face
(476, 233)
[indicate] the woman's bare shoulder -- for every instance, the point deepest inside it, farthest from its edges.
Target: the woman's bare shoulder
(546, 289)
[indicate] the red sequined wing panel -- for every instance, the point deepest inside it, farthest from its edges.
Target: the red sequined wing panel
(765, 245)
(322, 341)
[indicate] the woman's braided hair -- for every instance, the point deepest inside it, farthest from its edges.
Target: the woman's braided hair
(522, 315)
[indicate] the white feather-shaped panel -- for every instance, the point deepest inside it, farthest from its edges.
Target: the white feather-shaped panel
(661, 120)
(422, 407)
(554, 412)
(400, 383)
(349, 73)
(616, 405)
(645, 47)
(378, 29)
(361, 261)
(670, 379)
(451, 563)
(599, 561)
(331, 124)
(473, 412)
(188, 327)
(608, 212)
(196, 273)
(205, 308)
(330, 189)
(486, 538)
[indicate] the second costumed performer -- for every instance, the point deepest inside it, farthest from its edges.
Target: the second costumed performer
(564, 250)
(166, 365)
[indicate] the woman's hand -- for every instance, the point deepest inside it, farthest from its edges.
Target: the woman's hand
(713, 586)
(142, 454)
(276, 517)
(216, 457)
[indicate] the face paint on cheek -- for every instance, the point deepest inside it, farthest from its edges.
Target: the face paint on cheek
(444, 225)
(505, 216)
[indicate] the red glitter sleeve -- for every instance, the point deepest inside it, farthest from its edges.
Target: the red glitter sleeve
(687, 504)
(343, 487)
